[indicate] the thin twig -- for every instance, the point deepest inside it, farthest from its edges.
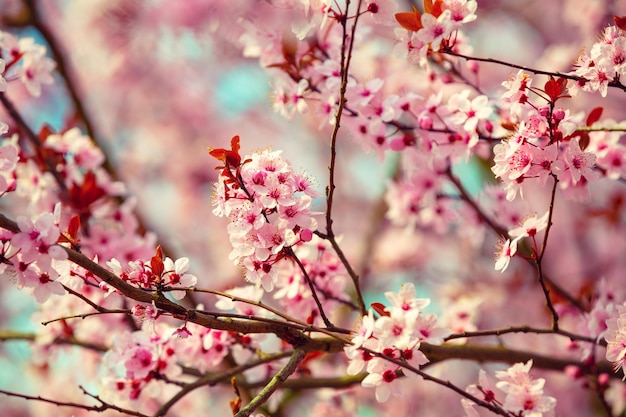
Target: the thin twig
(97, 408)
(346, 57)
(325, 319)
(275, 383)
(541, 276)
(615, 84)
(524, 329)
(213, 379)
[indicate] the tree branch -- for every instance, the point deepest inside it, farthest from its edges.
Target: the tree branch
(275, 383)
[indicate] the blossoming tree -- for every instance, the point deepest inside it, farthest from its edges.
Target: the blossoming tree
(145, 276)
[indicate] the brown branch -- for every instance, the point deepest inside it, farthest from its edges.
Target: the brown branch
(65, 71)
(540, 274)
(325, 319)
(614, 83)
(214, 379)
(499, 230)
(97, 408)
(276, 382)
(525, 329)
(294, 336)
(346, 57)
(10, 335)
(284, 331)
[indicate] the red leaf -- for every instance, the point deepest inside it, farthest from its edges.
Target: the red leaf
(620, 22)
(411, 21)
(433, 8)
(553, 89)
(562, 82)
(230, 158)
(82, 196)
(234, 143)
(583, 142)
(594, 115)
(71, 236)
(46, 130)
(380, 309)
(72, 228)
(156, 263)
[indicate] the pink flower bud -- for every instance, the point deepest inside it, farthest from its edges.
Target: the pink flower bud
(558, 114)
(306, 235)
(473, 66)
(425, 122)
(397, 144)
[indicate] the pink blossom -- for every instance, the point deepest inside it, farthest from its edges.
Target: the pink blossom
(37, 240)
(175, 274)
(382, 375)
(616, 337)
(462, 11)
(530, 227)
(506, 251)
(405, 299)
(36, 67)
(579, 163)
(435, 30)
(466, 113)
(364, 330)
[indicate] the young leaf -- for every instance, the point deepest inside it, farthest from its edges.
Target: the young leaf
(594, 116)
(554, 88)
(156, 263)
(230, 158)
(380, 309)
(433, 8)
(411, 21)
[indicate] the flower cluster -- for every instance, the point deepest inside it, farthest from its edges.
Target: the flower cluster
(137, 361)
(605, 62)
(25, 60)
(31, 257)
(268, 207)
(545, 143)
(434, 29)
(159, 274)
(523, 394)
(396, 334)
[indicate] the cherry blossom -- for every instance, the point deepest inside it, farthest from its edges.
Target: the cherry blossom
(506, 250)
(579, 163)
(435, 29)
(616, 338)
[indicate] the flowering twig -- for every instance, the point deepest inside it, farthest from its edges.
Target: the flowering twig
(525, 329)
(541, 277)
(97, 408)
(504, 233)
(346, 57)
(615, 84)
